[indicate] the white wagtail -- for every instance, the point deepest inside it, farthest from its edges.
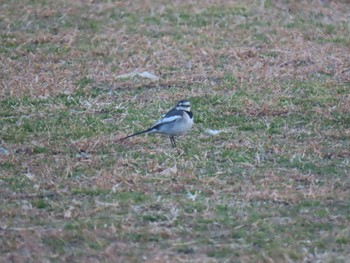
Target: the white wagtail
(176, 122)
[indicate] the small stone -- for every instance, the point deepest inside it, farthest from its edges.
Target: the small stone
(3, 151)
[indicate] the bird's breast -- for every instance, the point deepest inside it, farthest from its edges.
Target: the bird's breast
(187, 121)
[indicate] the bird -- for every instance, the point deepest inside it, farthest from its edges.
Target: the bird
(175, 122)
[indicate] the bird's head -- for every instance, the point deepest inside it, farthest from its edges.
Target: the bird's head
(184, 105)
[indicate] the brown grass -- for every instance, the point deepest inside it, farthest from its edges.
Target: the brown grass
(272, 76)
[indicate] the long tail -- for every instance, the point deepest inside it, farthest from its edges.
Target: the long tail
(138, 133)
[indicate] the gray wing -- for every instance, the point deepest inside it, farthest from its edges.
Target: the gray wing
(170, 116)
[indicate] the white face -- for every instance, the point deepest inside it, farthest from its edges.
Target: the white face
(184, 105)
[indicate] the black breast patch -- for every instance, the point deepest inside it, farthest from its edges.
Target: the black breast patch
(190, 114)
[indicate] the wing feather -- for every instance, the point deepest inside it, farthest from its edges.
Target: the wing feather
(167, 119)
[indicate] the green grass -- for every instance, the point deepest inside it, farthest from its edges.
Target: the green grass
(271, 77)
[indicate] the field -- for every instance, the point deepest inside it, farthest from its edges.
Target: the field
(262, 177)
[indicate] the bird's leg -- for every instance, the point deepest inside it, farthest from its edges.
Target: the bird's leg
(174, 142)
(172, 139)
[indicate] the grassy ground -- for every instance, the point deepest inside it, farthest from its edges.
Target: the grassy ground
(272, 76)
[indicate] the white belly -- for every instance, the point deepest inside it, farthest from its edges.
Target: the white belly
(178, 127)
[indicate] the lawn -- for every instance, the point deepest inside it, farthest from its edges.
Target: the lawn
(269, 183)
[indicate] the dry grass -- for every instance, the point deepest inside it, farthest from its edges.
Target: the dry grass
(272, 76)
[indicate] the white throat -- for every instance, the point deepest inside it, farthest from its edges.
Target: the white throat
(182, 108)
